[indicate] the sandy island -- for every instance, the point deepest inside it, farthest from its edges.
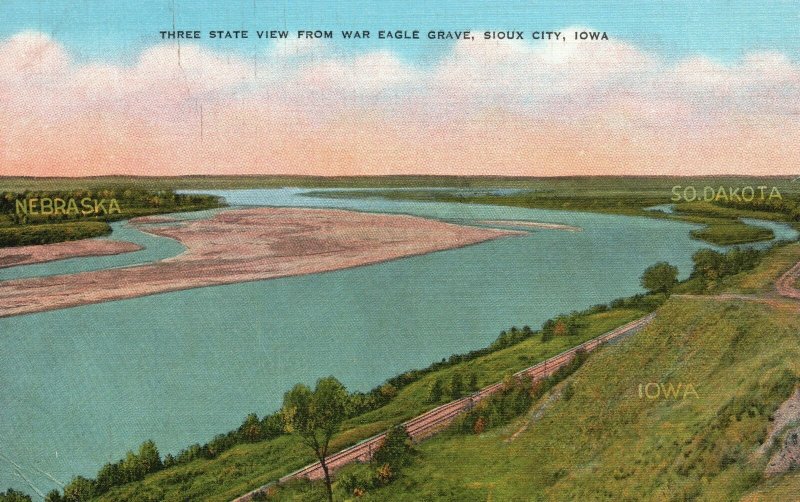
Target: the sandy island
(532, 224)
(247, 245)
(27, 255)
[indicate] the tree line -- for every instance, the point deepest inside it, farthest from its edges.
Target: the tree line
(789, 207)
(32, 229)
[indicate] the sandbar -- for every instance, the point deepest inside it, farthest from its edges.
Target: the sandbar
(532, 224)
(247, 245)
(27, 255)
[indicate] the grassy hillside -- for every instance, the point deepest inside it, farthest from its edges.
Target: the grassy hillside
(606, 442)
(784, 488)
(248, 466)
(600, 435)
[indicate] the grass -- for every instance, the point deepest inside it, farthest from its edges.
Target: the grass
(784, 488)
(607, 443)
(249, 466)
(762, 278)
(732, 232)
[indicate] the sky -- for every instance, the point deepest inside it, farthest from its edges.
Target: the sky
(88, 87)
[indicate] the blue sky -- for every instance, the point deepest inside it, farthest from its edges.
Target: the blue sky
(103, 29)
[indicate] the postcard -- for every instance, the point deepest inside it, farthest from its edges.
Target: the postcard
(352, 250)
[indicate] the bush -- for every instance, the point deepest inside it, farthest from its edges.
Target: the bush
(79, 490)
(12, 495)
(561, 326)
(53, 496)
(436, 391)
(358, 479)
(568, 392)
(396, 450)
(710, 265)
(500, 408)
(515, 399)
(456, 385)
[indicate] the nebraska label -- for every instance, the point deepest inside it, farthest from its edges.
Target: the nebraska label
(46, 206)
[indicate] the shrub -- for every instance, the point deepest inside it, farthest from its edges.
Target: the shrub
(710, 265)
(357, 479)
(46, 234)
(396, 450)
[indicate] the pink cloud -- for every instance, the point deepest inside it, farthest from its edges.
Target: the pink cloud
(487, 107)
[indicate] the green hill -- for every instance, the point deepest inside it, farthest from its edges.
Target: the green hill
(675, 412)
(248, 466)
(609, 443)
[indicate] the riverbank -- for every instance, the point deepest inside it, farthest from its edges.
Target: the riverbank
(247, 245)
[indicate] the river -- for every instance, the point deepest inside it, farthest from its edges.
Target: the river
(81, 386)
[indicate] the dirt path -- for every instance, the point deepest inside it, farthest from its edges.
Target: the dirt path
(785, 285)
(784, 295)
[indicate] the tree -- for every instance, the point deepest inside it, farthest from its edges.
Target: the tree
(547, 330)
(316, 416)
(473, 382)
(250, 430)
(456, 385)
(436, 391)
(110, 475)
(53, 496)
(272, 426)
(149, 457)
(708, 264)
(79, 489)
(660, 278)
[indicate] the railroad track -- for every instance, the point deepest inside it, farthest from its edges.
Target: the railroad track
(433, 421)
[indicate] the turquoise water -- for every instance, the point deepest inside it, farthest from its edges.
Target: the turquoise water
(81, 386)
(782, 231)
